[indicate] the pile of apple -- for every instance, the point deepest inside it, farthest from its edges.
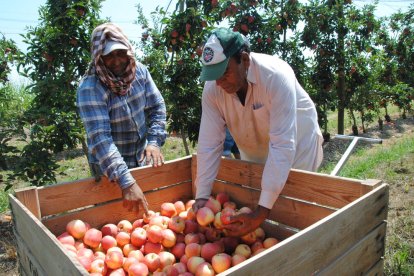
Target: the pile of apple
(174, 241)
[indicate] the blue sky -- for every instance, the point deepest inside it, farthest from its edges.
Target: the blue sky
(15, 15)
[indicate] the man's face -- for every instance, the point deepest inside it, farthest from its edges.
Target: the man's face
(234, 78)
(116, 62)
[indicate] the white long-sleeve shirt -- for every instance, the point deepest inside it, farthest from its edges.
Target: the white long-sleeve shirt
(277, 126)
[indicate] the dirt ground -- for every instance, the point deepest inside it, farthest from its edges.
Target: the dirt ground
(333, 151)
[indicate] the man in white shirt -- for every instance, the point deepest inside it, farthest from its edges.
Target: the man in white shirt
(270, 116)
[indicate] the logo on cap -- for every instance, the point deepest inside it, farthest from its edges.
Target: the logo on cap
(208, 54)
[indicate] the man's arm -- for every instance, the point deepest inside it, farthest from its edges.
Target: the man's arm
(210, 145)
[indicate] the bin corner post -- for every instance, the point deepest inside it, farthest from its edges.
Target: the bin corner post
(29, 197)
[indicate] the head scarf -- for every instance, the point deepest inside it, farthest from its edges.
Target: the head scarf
(100, 36)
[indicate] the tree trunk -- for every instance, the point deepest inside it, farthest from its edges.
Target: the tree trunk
(341, 71)
(184, 137)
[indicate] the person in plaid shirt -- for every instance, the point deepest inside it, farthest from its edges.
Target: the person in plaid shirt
(123, 113)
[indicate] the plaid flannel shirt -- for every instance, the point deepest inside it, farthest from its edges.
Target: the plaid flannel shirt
(119, 127)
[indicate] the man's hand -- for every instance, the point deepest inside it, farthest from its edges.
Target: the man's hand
(134, 198)
(153, 155)
(243, 224)
(199, 203)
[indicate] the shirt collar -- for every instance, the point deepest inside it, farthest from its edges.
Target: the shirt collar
(251, 77)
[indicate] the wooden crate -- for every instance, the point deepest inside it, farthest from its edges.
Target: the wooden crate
(328, 225)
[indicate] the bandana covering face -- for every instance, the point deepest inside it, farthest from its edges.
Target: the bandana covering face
(100, 36)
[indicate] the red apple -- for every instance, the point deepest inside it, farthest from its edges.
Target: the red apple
(116, 272)
(139, 269)
(236, 259)
(168, 209)
(128, 262)
(205, 269)
(226, 214)
(166, 258)
(269, 242)
(193, 262)
(66, 238)
(208, 250)
(178, 250)
(256, 246)
(249, 238)
(191, 226)
(109, 229)
(217, 221)
(169, 238)
(138, 236)
(98, 266)
(114, 259)
(260, 233)
(92, 237)
(213, 204)
(76, 228)
(153, 262)
(150, 247)
(205, 216)
(122, 238)
(244, 250)
(161, 221)
(137, 223)
(221, 262)
(189, 204)
(98, 255)
(124, 226)
(192, 249)
(181, 267)
(108, 242)
(191, 215)
(128, 248)
(192, 238)
(148, 217)
(177, 224)
(137, 254)
(179, 206)
(154, 233)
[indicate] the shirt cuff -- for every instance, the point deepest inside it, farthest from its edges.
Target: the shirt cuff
(126, 180)
(267, 199)
(155, 141)
(203, 192)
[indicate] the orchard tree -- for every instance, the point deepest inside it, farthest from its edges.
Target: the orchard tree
(336, 32)
(57, 56)
(9, 53)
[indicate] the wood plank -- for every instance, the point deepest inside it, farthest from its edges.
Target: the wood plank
(362, 256)
(113, 212)
(315, 247)
(28, 264)
(45, 250)
(72, 195)
(314, 187)
(377, 269)
(288, 211)
(30, 198)
(278, 231)
(194, 172)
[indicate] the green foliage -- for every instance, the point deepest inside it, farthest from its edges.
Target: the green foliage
(57, 57)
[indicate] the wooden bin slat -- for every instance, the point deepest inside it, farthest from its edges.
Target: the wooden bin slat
(321, 243)
(42, 244)
(68, 196)
(279, 232)
(335, 191)
(113, 212)
(377, 269)
(29, 197)
(288, 211)
(366, 252)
